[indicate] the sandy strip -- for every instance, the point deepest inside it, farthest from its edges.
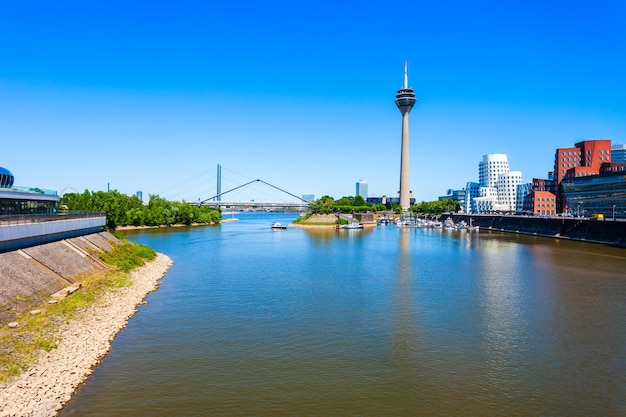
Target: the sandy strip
(42, 390)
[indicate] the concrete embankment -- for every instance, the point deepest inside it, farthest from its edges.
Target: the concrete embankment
(43, 388)
(597, 231)
(28, 276)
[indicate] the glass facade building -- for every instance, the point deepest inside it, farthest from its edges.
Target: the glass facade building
(618, 153)
(594, 194)
(6, 178)
(361, 189)
(23, 200)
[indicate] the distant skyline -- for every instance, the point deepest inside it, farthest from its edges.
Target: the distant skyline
(151, 96)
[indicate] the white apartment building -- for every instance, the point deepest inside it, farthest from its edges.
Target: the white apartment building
(507, 189)
(490, 167)
(498, 186)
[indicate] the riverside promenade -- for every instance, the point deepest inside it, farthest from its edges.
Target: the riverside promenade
(606, 231)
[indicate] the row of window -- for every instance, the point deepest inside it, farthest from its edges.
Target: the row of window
(10, 207)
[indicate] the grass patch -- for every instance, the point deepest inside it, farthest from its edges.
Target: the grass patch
(127, 256)
(22, 346)
(301, 219)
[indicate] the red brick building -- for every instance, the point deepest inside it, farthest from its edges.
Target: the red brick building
(542, 203)
(585, 158)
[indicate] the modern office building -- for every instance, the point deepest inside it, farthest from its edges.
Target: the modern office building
(455, 195)
(604, 193)
(618, 153)
(405, 100)
(24, 200)
(361, 189)
(522, 191)
(584, 159)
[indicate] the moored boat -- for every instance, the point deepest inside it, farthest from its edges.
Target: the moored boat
(278, 226)
(352, 225)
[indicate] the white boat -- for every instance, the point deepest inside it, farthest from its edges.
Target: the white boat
(353, 225)
(277, 225)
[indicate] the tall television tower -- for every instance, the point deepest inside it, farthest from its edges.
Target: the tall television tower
(405, 99)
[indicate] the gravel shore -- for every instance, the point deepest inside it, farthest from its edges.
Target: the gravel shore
(43, 389)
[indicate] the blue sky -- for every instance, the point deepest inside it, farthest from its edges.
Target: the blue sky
(151, 96)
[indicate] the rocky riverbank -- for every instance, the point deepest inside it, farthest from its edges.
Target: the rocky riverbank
(43, 389)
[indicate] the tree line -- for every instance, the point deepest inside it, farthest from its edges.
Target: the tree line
(124, 210)
(327, 205)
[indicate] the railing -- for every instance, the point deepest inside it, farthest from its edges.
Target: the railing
(41, 218)
(30, 190)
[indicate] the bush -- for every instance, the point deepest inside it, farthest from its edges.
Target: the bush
(127, 256)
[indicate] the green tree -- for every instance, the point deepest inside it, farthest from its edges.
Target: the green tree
(122, 210)
(359, 201)
(324, 205)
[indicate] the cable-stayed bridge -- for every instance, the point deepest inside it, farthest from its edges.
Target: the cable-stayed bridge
(217, 201)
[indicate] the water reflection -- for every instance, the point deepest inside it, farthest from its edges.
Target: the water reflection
(387, 321)
(501, 270)
(326, 233)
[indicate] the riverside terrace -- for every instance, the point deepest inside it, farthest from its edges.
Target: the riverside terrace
(20, 231)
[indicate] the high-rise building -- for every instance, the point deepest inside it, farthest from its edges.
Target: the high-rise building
(490, 167)
(361, 189)
(405, 100)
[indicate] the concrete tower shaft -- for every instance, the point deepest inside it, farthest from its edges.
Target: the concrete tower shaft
(405, 99)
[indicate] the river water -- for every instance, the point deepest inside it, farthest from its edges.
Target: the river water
(382, 322)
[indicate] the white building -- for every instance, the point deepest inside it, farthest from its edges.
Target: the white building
(472, 191)
(507, 189)
(490, 167)
(498, 186)
(488, 201)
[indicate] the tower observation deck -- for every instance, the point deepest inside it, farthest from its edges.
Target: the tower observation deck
(405, 99)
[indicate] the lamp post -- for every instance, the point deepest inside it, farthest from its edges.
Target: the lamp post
(613, 212)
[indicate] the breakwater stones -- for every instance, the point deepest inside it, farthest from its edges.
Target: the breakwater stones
(43, 389)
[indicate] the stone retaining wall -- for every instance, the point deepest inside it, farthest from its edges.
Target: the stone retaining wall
(598, 231)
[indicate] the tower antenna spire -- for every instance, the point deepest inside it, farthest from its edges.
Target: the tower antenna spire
(405, 99)
(406, 75)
